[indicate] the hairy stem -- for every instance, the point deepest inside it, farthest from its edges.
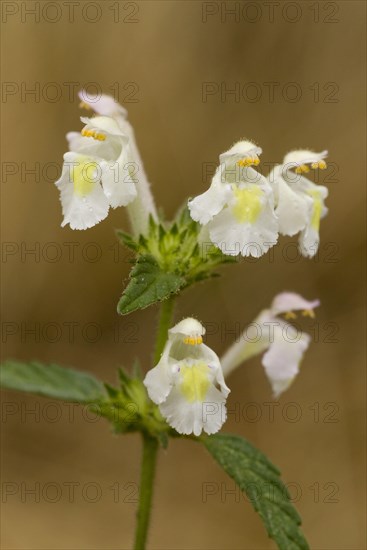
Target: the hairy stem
(150, 444)
(163, 326)
(150, 448)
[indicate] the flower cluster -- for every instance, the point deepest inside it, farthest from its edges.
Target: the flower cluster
(243, 212)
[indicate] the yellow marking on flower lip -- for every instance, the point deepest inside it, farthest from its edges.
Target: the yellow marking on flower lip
(93, 134)
(308, 313)
(320, 164)
(193, 340)
(317, 209)
(81, 177)
(84, 105)
(248, 204)
(248, 161)
(302, 169)
(290, 315)
(194, 381)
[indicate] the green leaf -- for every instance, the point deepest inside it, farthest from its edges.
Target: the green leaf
(148, 284)
(260, 481)
(51, 381)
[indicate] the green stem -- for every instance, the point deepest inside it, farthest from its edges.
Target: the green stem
(150, 448)
(163, 326)
(150, 444)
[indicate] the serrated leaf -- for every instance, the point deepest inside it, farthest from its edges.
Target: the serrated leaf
(260, 481)
(51, 381)
(148, 284)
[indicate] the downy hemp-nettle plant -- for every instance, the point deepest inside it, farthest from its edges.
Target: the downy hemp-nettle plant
(184, 392)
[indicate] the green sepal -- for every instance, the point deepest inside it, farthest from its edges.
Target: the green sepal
(136, 370)
(169, 259)
(111, 391)
(123, 376)
(129, 408)
(127, 240)
(163, 439)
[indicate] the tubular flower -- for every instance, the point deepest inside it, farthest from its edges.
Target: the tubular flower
(143, 206)
(237, 210)
(95, 173)
(283, 344)
(299, 202)
(188, 383)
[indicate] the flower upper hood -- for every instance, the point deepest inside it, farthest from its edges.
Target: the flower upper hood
(101, 104)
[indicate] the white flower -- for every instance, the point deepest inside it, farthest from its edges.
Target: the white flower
(101, 104)
(96, 173)
(283, 343)
(299, 202)
(143, 206)
(238, 209)
(184, 383)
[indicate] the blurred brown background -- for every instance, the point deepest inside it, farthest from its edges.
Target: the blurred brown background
(161, 55)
